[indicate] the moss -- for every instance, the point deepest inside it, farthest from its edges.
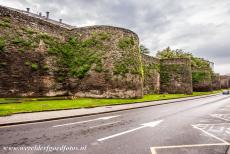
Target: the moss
(120, 68)
(125, 43)
(2, 44)
(200, 76)
(4, 24)
(77, 56)
(6, 19)
(99, 67)
(45, 67)
(130, 63)
(44, 36)
(172, 71)
(151, 68)
(21, 42)
(29, 31)
(27, 63)
(34, 66)
(104, 36)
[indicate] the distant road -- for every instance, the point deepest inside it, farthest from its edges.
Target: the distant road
(200, 126)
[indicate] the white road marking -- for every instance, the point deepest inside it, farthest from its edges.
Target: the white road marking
(189, 145)
(154, 149)
(80, 122)
(220, 116)
(105, 124)
(150, 124)
(209, 134)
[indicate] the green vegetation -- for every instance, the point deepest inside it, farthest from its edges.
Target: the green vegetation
(130, 62)
(102, 36)
(5, 23)
(27, 63)
(21, 42)
(201, 69)
(200, 76)
(144, 50)
(77, 56)
(150, 69)
(2, 44)
(29, 31)
(172, 71)
(34, 66)
(126, 43)
(33, 105)
(197, 63)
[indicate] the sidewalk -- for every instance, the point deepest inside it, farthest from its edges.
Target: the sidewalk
(62, 114)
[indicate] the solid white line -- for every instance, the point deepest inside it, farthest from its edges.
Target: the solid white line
(80, 122)
(150, 124)
(211, 134)
(67, 124)
(187, 146)
(104, 124)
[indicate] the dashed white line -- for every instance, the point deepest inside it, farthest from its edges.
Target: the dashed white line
(80, 122)
(105, 124)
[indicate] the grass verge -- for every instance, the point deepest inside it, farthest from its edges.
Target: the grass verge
(35, 105)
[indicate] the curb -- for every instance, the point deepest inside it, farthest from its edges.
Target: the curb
(89, 114)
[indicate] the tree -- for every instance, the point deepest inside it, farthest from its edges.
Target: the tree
(144, 50)
(196, 62)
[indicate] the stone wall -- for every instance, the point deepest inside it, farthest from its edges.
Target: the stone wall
(151, 69)
(176, 76)
(225, 81)
(202, 80)
(40, 58)
(216, 85)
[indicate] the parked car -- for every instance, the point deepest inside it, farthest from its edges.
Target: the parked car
(226, 92)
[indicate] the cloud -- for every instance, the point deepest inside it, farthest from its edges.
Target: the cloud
(200, 27)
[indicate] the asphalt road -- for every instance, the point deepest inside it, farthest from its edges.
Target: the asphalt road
(200, 126)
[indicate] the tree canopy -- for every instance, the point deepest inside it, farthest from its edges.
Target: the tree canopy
(197, 63)
(144, 50)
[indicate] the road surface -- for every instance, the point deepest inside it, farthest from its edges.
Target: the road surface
(200, 126)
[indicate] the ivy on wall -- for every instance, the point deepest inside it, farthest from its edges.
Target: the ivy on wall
(176, 70)
(77, 56)
(201, 76)
(128, 63)
(150, 69)
(2, 44)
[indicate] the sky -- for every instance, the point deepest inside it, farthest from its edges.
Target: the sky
(201, 27)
